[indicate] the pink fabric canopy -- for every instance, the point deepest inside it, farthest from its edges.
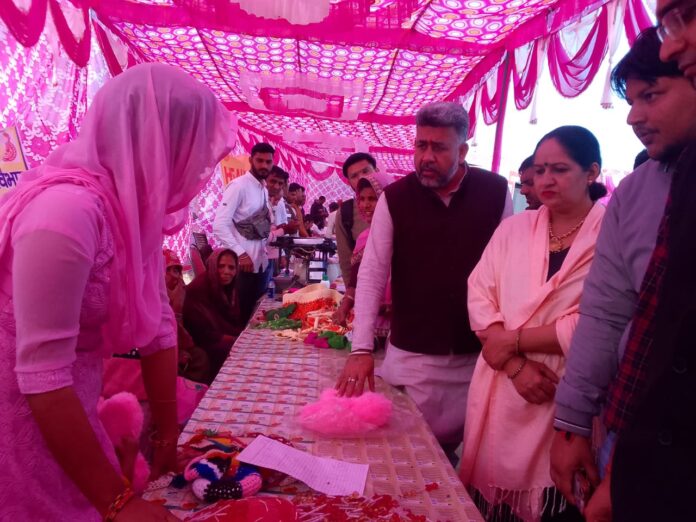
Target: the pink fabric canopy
(346, 75)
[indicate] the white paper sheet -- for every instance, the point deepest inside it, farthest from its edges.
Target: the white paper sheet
(329, 476)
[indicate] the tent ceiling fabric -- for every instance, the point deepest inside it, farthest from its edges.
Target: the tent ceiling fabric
(352, 82)
(347, 75)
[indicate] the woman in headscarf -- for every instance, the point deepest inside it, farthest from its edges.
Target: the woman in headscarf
(211, 309)
(523, 297)
(99, 206)
(370, 188)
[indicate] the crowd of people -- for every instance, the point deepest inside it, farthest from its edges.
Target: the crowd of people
(530, 337)
(521, 338)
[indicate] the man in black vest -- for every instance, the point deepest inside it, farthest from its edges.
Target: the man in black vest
(428, 231)
(349, 222)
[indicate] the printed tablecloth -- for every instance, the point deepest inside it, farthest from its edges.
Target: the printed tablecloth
(264, 383)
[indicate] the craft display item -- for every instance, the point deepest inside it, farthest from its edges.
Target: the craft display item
(280, 313)
(218, 475)
(279, 324)
(328, 339)
(346, 416)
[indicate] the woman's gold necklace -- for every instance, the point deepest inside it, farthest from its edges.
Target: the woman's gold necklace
(556, 242)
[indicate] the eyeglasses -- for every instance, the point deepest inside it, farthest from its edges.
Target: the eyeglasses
(675, 21)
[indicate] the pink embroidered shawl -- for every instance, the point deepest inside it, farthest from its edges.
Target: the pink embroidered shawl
(506, 439)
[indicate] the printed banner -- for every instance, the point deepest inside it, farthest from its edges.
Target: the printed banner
(233, 166)
(12, 160)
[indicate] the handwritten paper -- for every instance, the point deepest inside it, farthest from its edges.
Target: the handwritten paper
(329, 476)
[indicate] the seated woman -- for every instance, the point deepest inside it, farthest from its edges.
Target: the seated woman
(211, 307)
(523, 304)
(369, 190)
(193, 361)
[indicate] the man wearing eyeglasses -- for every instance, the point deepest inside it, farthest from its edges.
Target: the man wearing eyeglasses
(677, 31)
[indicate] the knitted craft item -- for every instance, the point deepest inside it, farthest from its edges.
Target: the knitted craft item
(218, 475)
(346, 416)
(215, 473)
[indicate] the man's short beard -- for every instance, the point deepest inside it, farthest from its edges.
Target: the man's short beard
(257, 175)
(440, 181)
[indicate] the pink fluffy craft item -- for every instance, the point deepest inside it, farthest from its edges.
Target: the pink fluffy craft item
(334, 415)
(122, 418)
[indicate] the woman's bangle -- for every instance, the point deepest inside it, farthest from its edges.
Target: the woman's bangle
(118, 504)
(518, 370)
(361, 352)
(349, 297)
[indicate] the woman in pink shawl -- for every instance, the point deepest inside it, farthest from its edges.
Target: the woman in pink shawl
(81, 278)
(523, 304)
(368, 191)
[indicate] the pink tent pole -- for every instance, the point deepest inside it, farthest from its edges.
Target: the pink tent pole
(502, 106)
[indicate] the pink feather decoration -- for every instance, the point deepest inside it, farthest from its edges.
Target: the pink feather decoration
(334, 415)
(122, 418)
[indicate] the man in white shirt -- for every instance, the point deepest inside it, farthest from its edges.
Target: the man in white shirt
(447, 210)
(282, 223)
(243, 224)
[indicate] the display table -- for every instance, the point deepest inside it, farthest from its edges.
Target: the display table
(267, 379)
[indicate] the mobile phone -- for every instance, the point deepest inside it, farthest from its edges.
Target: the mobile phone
(582, 489)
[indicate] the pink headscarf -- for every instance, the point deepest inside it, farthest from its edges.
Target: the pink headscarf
(147, 146)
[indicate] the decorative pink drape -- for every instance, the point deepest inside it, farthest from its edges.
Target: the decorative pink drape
(107, 50)
(637, 19)
(525, 75)
(572, 75)
(472, 116)
(26, 28)
(44, 94)
(490, 103)
(78, 51)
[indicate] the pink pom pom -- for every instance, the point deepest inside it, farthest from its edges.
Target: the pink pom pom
(141, 474)
(121, 416)
(334, 415)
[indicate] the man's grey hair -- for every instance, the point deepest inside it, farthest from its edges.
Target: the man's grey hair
(444, 114)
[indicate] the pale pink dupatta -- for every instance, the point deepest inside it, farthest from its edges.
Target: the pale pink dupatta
(506, 439)
(147, 145)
